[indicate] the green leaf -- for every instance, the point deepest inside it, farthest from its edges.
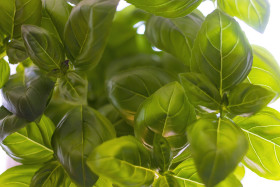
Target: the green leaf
(18, 176)
(124, 161)
(16, 51)
(265, 70)
(7, 14)
(239, 171)
(48, 24)
(254, 12)
(217, 145)
(51, 174)
(78, 133)
(73, 87)
(200, 91)
(167, 8)
(128, 89)
(31, 144)
(175, 36)
(263, 132)
(27, 94)
(221, 51)
(87, 31)
(43, 48)
(4, 72)
(248, 99)
(167, 113)
(102, 182)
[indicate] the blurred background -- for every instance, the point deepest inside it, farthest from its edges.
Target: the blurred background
(269, 40)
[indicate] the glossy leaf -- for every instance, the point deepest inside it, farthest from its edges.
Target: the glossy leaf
(78, 133)
(18, 176)
(4, 72)
(167, 8)
(87, 31)
(263, 132)
(248, 99)
(31, 144)
(43, 48)
(254, 12)
(167, 113)
(16, 51)
(124, 161)
(128, 89)
(217, 145)
(27, 94)
(73, 87)
(265, 70)
(221, 51)
(200, 91)
(175, 36)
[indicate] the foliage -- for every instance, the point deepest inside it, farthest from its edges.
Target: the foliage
(94, 104)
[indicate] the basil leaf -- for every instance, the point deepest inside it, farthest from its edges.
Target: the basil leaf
(221, 51)
(124, 161)
(101, 182)
(263, 131)
(167, 113)
(264, 65)
(47, 24)
(175, 36)
(248, 99)
(16, 51)
(78, 133)
(43, 48)
(162, 153)
(18, 176)
(254, 13)
(27, 95)
(128, 89)
(87, 31)
(167, 8)
(7, 15)
(32, 143)
(217, 145)
(4, 72)
(200, 91)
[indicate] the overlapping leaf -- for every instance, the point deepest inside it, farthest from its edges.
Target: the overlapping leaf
(16, 51)
(4, 72)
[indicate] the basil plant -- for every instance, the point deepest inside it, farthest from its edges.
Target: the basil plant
(92, 103)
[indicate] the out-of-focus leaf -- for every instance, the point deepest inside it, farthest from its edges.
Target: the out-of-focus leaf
(78, 133)
(239, 171)
(167, 112)
(16, 51)
(7, 15)
(124, 161)
(4, 72)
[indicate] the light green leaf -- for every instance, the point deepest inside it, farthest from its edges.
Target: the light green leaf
(78, 133)
(248, 99)
(167, 113)
(124, 161)
(4, 72)
(43, 48)
(167, 8)
(263, 132)
(254, 12)
(221, 51)
(31, 144)
(102, 182)
(87, 31)
(128, 89)
(217, 145)
(175, 36)
(18, 176)
(16, 51)
(239, 171)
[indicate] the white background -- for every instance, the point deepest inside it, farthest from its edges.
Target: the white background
(270, 40)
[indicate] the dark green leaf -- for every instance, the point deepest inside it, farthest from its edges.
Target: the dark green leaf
(221, 51)
(47, 24)
(167, 8)
(18, 176)
(175, 36)
(255, 13)
(7, 15)
(16, 51)
(248, 99)
(4, 72)
(87, 31)
(43, 48)
(78, 133)
(217, 145)
(124, 161)
(167, 113)
(27, 94)
(200, 91)
(31, 144)
(128, 89)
